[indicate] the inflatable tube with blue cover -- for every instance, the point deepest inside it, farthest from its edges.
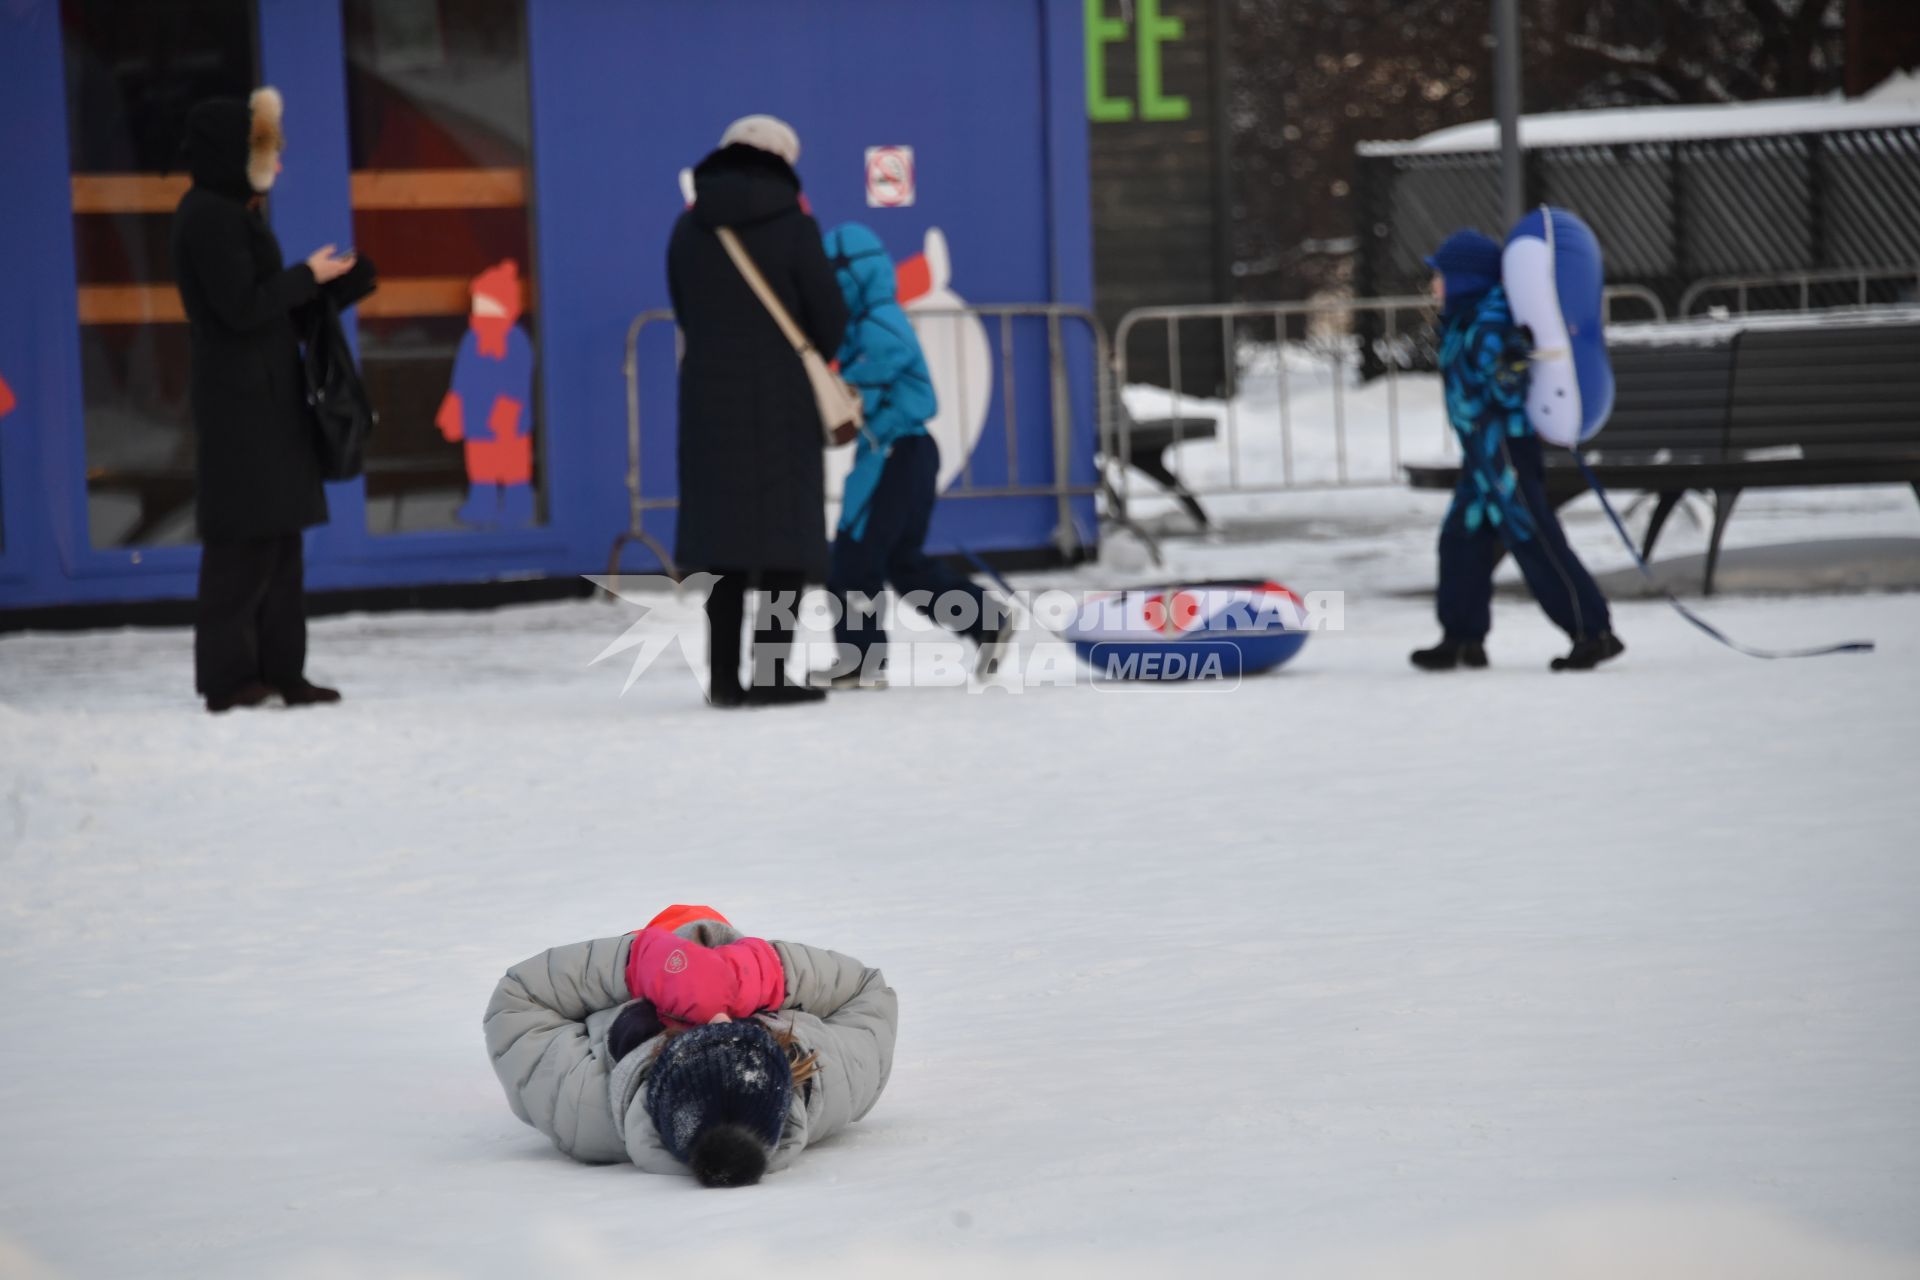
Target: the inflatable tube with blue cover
(1190, 631)
(1556, 283)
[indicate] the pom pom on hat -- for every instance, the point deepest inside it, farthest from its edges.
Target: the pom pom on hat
(717, 1090)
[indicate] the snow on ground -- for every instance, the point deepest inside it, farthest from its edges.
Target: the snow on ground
(1348, 971)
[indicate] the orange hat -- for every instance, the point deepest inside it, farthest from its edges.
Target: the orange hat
(500, 286)
(680, 913)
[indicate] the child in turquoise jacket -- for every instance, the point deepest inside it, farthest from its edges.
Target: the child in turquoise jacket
(889, 496)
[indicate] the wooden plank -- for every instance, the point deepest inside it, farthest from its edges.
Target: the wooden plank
(130, 304)
(371, 189)
(128, 192)
(160, 303)
(439, 188)
(421, 296)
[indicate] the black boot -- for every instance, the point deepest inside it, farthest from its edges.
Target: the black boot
(251, 694)
(1588, 654)
(993, 644)
(782, 694)
(1448, 654)
(305, 693)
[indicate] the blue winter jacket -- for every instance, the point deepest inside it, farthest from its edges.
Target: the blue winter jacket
(1483, 364)
(881, 355)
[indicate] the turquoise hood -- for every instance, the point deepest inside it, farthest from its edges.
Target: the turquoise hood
(861, 265)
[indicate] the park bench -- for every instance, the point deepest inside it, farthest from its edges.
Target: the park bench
(1749, 406)
(1143, 445)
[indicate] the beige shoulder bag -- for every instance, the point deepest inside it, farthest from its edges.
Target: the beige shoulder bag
(841, 409)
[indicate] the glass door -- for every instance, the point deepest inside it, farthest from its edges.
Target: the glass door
(133, 69)
(440, 138)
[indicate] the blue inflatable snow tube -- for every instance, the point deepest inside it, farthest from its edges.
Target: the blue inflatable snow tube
(1192, 631)
(1556, 283)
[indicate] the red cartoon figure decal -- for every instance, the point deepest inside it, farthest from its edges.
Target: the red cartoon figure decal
(6, 398)
(490, 405)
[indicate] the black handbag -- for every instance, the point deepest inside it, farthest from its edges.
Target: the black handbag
(343, 416)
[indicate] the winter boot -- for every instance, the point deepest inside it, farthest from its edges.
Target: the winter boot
(1588, 654)
(1450, 653)
(847, 681)
(724, 692)
(993, 646)
(783, 694)
(308, 694)
(251, 694)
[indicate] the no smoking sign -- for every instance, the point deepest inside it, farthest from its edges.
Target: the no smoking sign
(889, 177)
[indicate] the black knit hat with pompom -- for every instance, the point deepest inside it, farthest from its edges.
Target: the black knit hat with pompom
(718, 1098)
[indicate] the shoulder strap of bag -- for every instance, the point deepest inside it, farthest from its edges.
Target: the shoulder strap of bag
(762, 290)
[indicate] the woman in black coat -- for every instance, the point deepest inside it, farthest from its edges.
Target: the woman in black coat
(752, 480)
(256, 445)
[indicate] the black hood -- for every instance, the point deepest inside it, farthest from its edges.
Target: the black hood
(217, 146)
(740, 185)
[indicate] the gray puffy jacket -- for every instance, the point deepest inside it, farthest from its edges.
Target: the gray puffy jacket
(547, 1028)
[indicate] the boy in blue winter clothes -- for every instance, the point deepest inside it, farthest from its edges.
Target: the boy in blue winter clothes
(1501, 500)
(889, 496)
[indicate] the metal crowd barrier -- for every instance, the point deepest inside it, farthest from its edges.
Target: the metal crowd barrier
(638, 504)
(999, 319)
(1800, 283)
(1399, 317)
(1637, 293)
(1401, 323)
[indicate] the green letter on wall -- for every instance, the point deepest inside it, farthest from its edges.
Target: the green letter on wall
(1101, 32)
(1153, 30)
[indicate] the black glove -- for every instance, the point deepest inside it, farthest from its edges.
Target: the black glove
(636, 1024)
(351, 288)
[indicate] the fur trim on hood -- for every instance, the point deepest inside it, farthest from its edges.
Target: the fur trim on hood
(740, 185)
(265, 139)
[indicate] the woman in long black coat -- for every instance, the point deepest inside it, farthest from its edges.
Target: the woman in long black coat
(752, 479)
(256, 444)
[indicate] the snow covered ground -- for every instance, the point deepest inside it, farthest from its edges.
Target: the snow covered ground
(1349, 971)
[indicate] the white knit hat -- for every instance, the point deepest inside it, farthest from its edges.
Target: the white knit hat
(765, 133)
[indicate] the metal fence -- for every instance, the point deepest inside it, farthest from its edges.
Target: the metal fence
(1003, 321)
(1327, 346)
(1668, 212)
(1801, 291)
(1343, 338)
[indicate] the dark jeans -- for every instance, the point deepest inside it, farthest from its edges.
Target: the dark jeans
(891, 550)
(1555, 576)
(251, 623)
(772, 632)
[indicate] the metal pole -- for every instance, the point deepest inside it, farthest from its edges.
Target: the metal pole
(1506, 97)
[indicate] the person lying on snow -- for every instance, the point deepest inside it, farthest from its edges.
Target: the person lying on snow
(688, 1047)
(1501, 499)
(889, 495)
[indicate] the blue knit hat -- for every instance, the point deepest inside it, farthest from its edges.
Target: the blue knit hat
(718, 1096)
(1470, 264)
